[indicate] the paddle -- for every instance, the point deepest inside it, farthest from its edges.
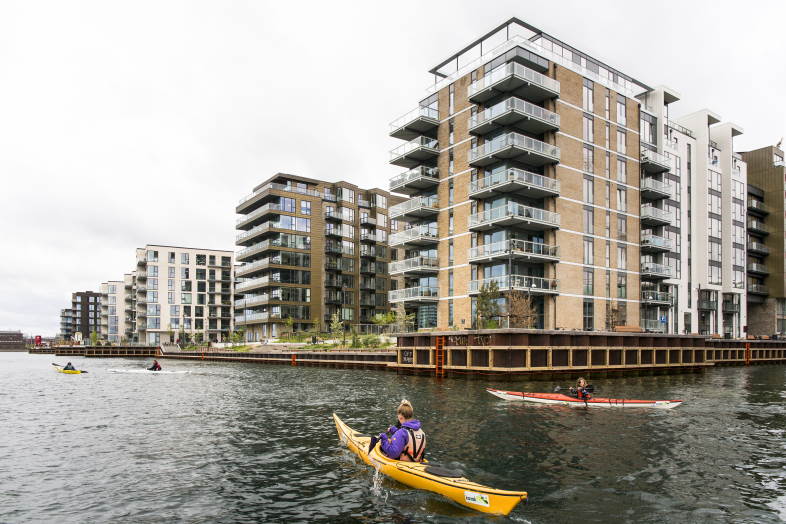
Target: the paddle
(589, 389)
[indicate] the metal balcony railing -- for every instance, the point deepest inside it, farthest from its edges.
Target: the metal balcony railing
(421, 141)
(514, 140)
(514, 176)
(413, 263)
(517, 282)
(514, 247)
(413, 293)
(515, 104)
(420, 173)
(414, 203)
(513, 210)
(516, 69)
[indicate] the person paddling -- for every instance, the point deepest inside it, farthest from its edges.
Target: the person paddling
(582, 390)
(406, 440)
(69, 367)
(155, 367)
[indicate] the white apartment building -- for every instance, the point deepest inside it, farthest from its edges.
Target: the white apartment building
(113, 315)
(693, 241)
(183, 292)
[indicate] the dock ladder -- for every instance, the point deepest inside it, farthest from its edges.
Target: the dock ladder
(439, 356)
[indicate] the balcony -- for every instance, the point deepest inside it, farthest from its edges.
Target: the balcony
(251, 318)
(367, 267)
(367, 251)
(653, 271)
(248, 238)
(415, 208)
(514, 249)
(254, 283)
(758, 289)
(516, 147)
(757, 226)
(757, 207)
(415, 180)
(652, 325)
(252, 218)
(657, 298)
(535, 285)
(414, 294)
(333, 264)
(254, 300)
(514, 215)
(652, 189)
(416, 236)
(730, 307)
(249, 201)
(334, 214)
(654, 163)
(253, 267)
(515, 113)
(655, 244)
(758, 269)
(651, 215)
(368, 237)
(333, 231)
(707, 305)
(419, 121)
(365, 219)
(758, 248)
(267, 245)
(515, 181)
(516, 79)
(363, 203)
(415, 152)
(334, 282)
(414, 266)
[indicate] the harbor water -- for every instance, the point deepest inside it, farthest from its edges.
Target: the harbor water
(235, 442)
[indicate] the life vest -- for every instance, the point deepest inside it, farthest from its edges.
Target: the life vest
(416, 445)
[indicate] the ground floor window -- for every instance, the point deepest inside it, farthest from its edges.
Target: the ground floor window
(589, 315)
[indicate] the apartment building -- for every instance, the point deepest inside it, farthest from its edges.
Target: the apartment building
(66, 324)
(129, 307)
(311, 249)
(538, 167)
(523, 169)
(113, 314)
(766, 278)
(182, 291)
(85, 314)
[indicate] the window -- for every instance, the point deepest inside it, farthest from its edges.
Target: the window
(152, 283)
(184, 258)
(589, 220)
(607, 225)
(451, 222)
(622, 170)
(171, 272)
(451, 162)
(451, 105)
(622, 227)
(451, 130)
(589, 190)
(451, 253)
(450, 283)
(621, 146)
(451, 192)
(588, 96)
(622, 285)
(170, 297)
(381, 201)
(589, 254)
(152, 256)
(621, 116)
(607, 195)
(714, 274)
(152, 271)
(171, 257)
(589, 134)
(622, 257)
(152, 297)
(589, 282)
(185, 285)
(607, 165)
(622, 199)
(715, 227)
(450, 312)
(589, 315)
(714, 180)
(185, 298)
(607, 106)
(588, 159)
(305, 207)
(714, 251)
(714, 203)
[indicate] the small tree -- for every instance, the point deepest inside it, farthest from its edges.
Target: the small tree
(94, 338)
(197, 338)
(612, 316)
(521, 310)
(487, 307)
(336, 327)
(384, 319)
(181, 337)
(289, 324)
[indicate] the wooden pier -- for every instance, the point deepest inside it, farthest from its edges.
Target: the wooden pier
(336, 359)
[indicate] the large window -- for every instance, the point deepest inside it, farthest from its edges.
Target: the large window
(714, 203)
(622, 199)
(589, 282)
(589, 251)
(621, 144)
(589, 315)
(622, 118)
(622, 170)
(589, 190)
(588, 163)
(622, 285)
(588, 96)
(589, 220)
(589, 133)
(622, 257)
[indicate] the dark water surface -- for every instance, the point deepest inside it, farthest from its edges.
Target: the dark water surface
(255, 443)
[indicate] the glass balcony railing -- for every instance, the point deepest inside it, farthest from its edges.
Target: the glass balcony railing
(758, 225)
(654, 213)
(757, 268)
(652, 325)
(426, 175)
(514, 247)
(414, 233)
(280, 187)
(656, 241)
(514, 140)
(409, 116)
(414, 293)
(656, 296)
(760, 289)
(758, 246)
(516, 211)
(518, 105)
(417, 143)
(757, 205)
(650, 184)
(707, 305)
(267, 208)
(413, 204)
(647, 155)
(517, 282)
(651, 268)
(514, 177)
(515, 69)
(409, 264)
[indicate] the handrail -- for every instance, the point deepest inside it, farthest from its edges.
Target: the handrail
(514, 139)
(514, 175)
(514, 104)
(515, 210)
(514, 246)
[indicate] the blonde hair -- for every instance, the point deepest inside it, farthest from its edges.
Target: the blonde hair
(580, 380)
(405, 409)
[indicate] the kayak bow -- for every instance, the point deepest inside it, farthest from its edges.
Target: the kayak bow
(68, 371)
(599, 402)
(430, 477)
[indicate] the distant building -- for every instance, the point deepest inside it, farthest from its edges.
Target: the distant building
(66, 324)
(114, 323)
(85, 314)
(12, 341)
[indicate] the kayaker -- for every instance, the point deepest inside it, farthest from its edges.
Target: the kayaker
(406, 440)
(581, 391)
(155, 367)
(69, 367)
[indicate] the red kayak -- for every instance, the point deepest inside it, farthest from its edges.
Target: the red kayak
(565, 400)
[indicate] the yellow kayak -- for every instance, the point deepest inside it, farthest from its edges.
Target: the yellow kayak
(68, 371)
(430, 477)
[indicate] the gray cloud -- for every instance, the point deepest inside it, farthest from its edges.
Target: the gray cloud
(130, 123)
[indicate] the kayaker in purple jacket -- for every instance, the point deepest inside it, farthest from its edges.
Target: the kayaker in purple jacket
(406, 440)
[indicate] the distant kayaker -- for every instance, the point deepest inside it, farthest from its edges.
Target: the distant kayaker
(581, 391)
(406, 440)
(69, 367)
(155, 367)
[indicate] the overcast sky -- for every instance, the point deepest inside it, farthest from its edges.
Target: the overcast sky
(126, 123)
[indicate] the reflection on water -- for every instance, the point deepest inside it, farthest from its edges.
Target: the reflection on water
(253, 443)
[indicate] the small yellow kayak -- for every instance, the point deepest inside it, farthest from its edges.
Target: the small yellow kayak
(68, 371)
(430, 477)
